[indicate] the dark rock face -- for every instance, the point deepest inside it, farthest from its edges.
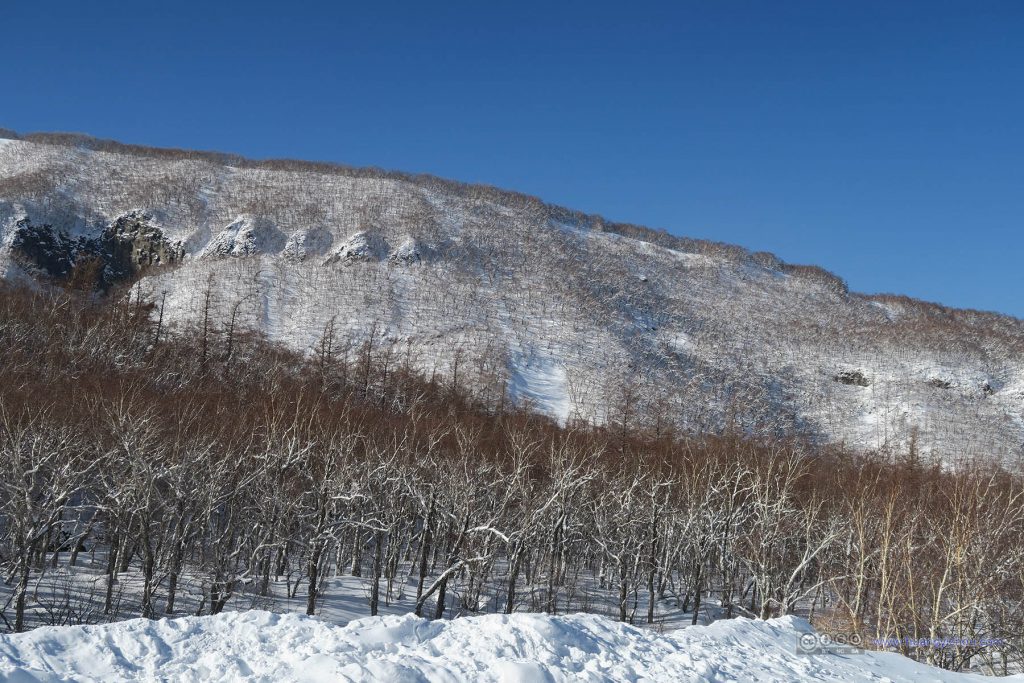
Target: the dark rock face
(43, 249)
(125, 248)
(854, 377)
(131, 244)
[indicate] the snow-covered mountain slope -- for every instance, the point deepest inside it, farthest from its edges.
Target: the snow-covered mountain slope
(261, 646)
(509, 296)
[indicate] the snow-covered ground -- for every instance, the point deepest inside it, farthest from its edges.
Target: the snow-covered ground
(264, 646)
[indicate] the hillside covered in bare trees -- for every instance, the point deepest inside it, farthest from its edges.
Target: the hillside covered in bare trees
(511, 299)
(284, 386)
(150, 474)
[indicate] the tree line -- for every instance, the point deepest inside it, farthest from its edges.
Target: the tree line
(218, 470)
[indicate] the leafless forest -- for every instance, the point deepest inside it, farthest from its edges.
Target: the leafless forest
(212, 469)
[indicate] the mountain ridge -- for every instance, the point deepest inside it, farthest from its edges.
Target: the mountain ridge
(577, 309)
(659, 236)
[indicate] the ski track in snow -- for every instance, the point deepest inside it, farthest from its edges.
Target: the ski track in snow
(263, 646)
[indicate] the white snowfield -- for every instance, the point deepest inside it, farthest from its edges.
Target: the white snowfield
(263, 646)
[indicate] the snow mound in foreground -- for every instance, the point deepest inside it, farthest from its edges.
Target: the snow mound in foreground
(521, 647)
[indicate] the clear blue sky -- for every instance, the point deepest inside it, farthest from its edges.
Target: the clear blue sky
(881, 140)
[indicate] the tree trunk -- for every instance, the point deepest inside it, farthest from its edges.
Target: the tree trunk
(513, 576)
(357, 554)
(650, 595)
(314, 578)
(148, 568)
(623, 591)
(424, 555)
(375, 586)
(108, 601)
(19, 602)
(439, 586)
(172, 591)
(696, 597)
(126, 557)
(441, 590)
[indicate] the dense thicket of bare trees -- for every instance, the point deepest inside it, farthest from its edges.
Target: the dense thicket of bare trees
(215, 459)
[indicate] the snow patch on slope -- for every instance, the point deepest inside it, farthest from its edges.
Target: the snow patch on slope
(519, 647)
(542, 383)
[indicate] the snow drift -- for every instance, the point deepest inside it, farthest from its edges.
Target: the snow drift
(521, 647)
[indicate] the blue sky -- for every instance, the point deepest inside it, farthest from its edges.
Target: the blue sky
(881, 140)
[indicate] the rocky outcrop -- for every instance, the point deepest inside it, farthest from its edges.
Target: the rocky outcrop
(125, 248)
(410, 252)
(43, 250)
(131, 244)
(246, 236)
(304, 244)
(362, 246)
(853, 377)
